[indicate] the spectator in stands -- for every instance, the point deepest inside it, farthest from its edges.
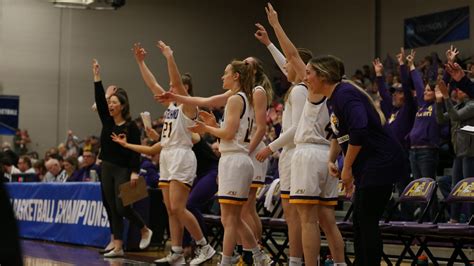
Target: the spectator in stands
(425, 135)
(62, 150)
(89, 159)
(24, 165)
(459, 115)
(40, 169)
(20, 141)
(71, 166)
(8, 167)
(72, 145)
(399, 108)
(55, 172)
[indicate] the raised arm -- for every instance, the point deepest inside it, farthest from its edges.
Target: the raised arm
(386, 103)
(417, 79)
(234, 107)
(147, 76)
(441, 116)
(100, 98)
(279, 58)
(287, 46)
(189, 109)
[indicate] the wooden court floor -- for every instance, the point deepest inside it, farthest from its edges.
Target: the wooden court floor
(43, 253)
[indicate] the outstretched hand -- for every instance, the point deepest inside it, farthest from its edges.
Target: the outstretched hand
(208, 118)
(120, 139)
(411, 58)
(262, 35)
(96, 69)
(272, 15)
(165, 97)
(139, 52)
(378, 66)
(451, 54)
(401, 56)
(199, 128)
(165, 49)
(443, 88)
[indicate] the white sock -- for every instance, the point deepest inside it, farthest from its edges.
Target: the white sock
(177, 249)
(295, 261)
(226, 260)
(201, 242)
(257, 253)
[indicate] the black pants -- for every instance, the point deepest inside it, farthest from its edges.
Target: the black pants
(112, 177)
(106, 204)
(369, 205)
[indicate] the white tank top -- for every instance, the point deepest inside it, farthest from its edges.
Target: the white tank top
(175, 131)
(241, 139)
(314, 127)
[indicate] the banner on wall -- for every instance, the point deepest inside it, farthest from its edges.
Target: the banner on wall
(441, 27)
(9, 112)
(62, 212)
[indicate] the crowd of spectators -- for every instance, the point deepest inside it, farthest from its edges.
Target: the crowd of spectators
(421, 104)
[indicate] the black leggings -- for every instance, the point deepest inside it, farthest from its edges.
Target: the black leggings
(369, 205)
(112, 177)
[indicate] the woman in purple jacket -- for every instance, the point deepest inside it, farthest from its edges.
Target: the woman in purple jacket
(373, 158)
(424, 137)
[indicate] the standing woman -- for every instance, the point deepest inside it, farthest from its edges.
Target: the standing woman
(313, 191)
(177, 161)
(262, 94)
(119, 165)
(235, 166)
(373, 158)
(295, 99)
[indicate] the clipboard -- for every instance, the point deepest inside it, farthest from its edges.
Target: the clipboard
(130, 194)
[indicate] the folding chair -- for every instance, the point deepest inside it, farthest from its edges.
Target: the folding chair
(459, 234)
(274, 227)
(420, 191)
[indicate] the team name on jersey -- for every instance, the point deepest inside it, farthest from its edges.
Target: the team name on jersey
(425, 113)
(171, 114)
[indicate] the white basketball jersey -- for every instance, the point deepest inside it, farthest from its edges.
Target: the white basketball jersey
(175, 128)
(314, 124)
(241, 139)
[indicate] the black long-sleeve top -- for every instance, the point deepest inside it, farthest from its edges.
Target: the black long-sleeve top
(110, 151)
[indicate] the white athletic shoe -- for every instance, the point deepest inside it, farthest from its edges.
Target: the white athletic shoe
(114, 254)
(172, 259)
(265, 260)
(145, 242)
(203, 254)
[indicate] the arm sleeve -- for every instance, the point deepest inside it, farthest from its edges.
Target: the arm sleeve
(278, 57)
(101, 103)
(418, 83)
(386, 103)
(355, 117)
(462, 114)
(297, 99)
(134, 138)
